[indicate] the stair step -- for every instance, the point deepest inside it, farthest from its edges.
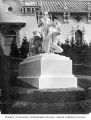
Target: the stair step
(48, 101)
(48, 95)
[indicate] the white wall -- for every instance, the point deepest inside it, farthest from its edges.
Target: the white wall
(15, 17)
(31, 23)
(66, 29)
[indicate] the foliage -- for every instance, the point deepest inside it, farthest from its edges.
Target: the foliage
(35, 47)
(24, 50)
(14, 49)
(1, 46)
(76, 51)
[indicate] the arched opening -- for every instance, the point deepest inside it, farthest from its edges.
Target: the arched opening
(9, 36)
(78, 36)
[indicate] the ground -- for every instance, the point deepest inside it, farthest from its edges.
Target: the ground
(24, 99)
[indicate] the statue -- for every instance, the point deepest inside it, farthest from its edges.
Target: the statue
(47, 71)
(35, 46)
(51, 34)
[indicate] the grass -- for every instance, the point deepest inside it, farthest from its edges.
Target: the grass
(48, 108)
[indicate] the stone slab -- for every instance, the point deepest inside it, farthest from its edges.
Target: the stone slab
(51, 82)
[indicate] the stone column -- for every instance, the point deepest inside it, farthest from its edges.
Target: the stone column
(26, 11)
(2, 43)
(66, 17)
(4, 78)
(0, 2)
(50, 16)
(34, 11)
(38, 16)
(83, 34)
(18, 38)
(73, 33)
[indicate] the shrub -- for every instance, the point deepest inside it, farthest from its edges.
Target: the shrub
(24, 50)
(14, 49)
(76, 51)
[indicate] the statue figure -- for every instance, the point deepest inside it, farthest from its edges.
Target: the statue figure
(51, 34)
(35, 46)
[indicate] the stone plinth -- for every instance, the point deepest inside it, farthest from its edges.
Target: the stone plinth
(47, 71)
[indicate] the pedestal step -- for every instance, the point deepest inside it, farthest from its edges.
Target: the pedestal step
(48, 95)
(49, 101)
(41, 82)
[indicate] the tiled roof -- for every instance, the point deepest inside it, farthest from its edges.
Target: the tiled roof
(58, 5)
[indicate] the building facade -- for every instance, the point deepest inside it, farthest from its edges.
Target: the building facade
(19, 18)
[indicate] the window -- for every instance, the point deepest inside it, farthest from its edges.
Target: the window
(9, 35)
(23, 10)
(78, 37)
(66, 17)
(33, 10)
(10, 9)
(89, 16)
(78, 18)
(28, 11)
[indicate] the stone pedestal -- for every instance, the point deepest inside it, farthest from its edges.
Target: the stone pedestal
(47, 71)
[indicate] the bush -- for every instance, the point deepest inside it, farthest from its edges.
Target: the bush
(76, 51)
(14, 49)
(24, 50)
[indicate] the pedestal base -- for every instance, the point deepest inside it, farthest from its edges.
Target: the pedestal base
(47, 71)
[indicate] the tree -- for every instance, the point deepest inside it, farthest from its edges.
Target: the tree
(4, 75)
(14, 49)
(24, 50)
(77, 51)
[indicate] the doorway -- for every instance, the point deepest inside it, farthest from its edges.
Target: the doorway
(78, 37)
(9, 36)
